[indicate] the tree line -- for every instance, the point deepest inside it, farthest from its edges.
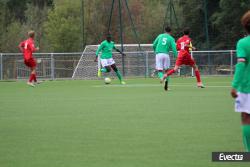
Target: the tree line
(68, 25)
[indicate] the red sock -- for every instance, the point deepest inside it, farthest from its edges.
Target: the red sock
(31, 77)
(170, 72)
(198, 76)
(34, 77)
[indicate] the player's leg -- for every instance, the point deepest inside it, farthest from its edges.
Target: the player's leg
(166, 81)
(166, 66)
(245, 117)
(32, 65)
(242, 104)
(32, 77)
(33, 69)
(197, 74)
(113, 66)
(106, 69)
(178, 63)
(169, 72)
(33, 72)
(160, 74)
(159, 65)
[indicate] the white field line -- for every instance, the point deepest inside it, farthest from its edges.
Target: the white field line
(159, 85)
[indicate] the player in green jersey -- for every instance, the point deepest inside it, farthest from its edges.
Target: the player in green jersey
(241, 82)
(107, 60)
(162, 45)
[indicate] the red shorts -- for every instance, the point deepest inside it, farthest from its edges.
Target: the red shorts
(185, 59)
(30, 62)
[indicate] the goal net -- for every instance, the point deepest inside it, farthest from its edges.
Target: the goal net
(139, 62)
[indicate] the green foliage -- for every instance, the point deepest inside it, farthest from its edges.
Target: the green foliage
(58, 23)
(227, 21)
(17, 9)
(12, 37)
(63, 28)
(151, 27)
(96, 20)
(35, 20)
(194, 20)
(16, 18)
(2, 23)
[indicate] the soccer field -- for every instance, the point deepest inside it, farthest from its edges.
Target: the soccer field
(89, 124)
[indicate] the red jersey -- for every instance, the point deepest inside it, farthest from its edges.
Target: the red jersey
(28, 48)
(183, 44)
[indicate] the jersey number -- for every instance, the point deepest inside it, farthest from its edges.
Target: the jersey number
(164, 41)
(182, 45)
(26, 45)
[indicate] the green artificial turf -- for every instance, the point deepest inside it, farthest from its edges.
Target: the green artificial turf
(89, 124)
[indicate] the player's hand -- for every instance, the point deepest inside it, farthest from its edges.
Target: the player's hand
(234, 93)
(194, 48)
(96, 59)
(37, 48)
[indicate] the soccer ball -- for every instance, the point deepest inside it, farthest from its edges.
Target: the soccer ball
(107, 80)
(38, 60)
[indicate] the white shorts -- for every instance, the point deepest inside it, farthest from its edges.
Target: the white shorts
(107, 62)
(242, 103)
(162, 61)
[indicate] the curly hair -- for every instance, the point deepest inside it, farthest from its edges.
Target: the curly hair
(245, 21)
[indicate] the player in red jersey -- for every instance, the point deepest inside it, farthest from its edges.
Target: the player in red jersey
(184, 46)
(28, 47)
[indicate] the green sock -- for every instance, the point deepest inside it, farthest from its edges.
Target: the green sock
(168, 78)
(119, 75)
(160, 74)
(103, 70)
(246, 137)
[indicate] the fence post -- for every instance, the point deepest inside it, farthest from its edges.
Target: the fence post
(192, 74)
(1, 69)
(52, 64)
(231, 62)
(147, 67)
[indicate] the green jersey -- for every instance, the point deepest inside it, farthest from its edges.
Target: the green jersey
(164, 43)
(241, 80)
(106, 48)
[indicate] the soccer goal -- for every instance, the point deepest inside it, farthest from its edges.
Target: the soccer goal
(139, 61)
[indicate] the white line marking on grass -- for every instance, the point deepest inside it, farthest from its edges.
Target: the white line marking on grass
(159, 85)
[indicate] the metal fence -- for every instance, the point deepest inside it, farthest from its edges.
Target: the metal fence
(52, 66)
(136, 64)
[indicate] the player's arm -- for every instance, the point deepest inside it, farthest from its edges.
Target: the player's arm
(155, 43)
(21, 46)
(37, 49)
(238, 76)
(32, 47)
(178, 45)
(173, 47)
(239, 70)
(98, 51)
(118, 51)
(191, 47)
